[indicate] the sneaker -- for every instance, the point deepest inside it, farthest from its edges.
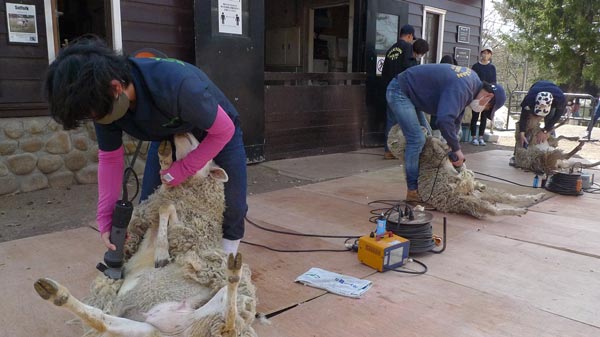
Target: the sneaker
(511, 162)
(475, 142)
(388, 155)
(481, 142)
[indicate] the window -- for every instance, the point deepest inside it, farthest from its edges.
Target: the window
(386, 30)
(68, 19)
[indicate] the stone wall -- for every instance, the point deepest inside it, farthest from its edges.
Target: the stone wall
(36, 153)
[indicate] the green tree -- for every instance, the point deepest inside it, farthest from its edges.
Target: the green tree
(560, 36)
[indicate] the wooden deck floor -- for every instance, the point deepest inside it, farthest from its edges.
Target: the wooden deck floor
(533, 275)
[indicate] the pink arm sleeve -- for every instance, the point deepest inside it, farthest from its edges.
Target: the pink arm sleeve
(217, 137)
(110, 178)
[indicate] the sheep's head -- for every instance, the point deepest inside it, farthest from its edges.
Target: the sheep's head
(184, 144)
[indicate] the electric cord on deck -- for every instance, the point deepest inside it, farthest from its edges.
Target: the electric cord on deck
(506, 180)
(593, 190)
(398, 270)
(347, 237)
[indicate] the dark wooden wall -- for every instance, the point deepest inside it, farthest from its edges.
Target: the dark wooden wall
(305, 120)
(22, 68)
(458, 12)
(165, 25)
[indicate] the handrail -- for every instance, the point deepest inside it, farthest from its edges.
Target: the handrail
(568, 96)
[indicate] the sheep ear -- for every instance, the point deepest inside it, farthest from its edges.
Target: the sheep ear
(218, 174)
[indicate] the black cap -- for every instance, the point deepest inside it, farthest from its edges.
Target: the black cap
(407, 29)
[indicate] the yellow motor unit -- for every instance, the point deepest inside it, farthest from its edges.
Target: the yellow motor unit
(388, 252)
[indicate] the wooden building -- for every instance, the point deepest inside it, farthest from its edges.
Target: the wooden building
(302, 73)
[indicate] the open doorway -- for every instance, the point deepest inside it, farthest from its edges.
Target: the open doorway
(330, 39)
(76, 18)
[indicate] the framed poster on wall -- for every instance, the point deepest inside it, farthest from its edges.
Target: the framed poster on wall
(21, 21)
(462, 56)
(464, 34)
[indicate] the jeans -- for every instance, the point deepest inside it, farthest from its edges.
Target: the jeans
(389, 123)
(232, 159)
(410, 120)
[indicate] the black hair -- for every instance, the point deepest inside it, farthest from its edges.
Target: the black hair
(78, 82)
(448, 59)
(420, 47)
(491, 88)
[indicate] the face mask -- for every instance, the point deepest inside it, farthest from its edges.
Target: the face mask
(120, 107)
(475, 105)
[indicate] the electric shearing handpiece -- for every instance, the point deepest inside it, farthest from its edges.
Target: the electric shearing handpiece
(114, 258)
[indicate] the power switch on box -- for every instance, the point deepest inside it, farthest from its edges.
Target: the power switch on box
(388, 252)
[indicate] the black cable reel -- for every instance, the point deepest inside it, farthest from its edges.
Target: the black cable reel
(416, 226)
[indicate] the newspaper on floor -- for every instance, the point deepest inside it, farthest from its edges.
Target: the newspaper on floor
(334, 282)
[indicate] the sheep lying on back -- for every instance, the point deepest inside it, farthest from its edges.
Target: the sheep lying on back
(448, 190)
(177, 280)
(545, 157)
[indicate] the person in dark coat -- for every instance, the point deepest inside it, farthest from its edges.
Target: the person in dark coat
(487, 72)
(151, 99)
(448, 91)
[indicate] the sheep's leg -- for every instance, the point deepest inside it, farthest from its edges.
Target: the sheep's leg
(166, 214)
(495, 195)
(574, 151)
(586, 165)
(486, 207)
(573, 139)
(479, 207)
(165, 155)
(114, 326)
(234, 273)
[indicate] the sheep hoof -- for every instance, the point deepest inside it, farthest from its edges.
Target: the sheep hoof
(234, 263)
(161, 263)
(164, 149)
(50, 290)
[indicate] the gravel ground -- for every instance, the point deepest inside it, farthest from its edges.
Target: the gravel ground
(590, 151)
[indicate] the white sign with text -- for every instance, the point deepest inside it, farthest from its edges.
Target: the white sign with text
(230, 16)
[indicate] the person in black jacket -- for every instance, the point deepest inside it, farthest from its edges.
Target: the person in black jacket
(402, 55)
(487, 73)
(546, 101)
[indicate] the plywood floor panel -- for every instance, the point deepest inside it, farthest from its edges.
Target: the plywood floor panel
(274, 272)
(69, 257)
(307, 212)
(420, 306)
(550, 279)
(563, 232)
(580, 207)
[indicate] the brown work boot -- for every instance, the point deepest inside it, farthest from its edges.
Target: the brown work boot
(388, 155)
(413, 196)
(413, 199)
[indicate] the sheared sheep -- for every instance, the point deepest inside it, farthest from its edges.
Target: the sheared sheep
(545, 157)
(184, 286)
(456, 191)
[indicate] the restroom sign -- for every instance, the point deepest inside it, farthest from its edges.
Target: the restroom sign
(230, 16)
